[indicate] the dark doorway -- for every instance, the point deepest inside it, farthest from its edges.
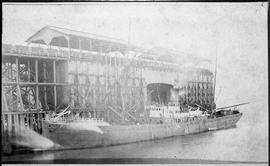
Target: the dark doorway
(159, 93)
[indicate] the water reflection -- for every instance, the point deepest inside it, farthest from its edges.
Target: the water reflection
(44, 156)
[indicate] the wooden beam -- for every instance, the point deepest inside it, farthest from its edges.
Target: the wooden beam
(130, 115)
(34, 83)
(33, 56)
(116, 112)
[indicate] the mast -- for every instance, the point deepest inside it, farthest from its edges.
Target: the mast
(129, 25)
(215, 78)
(158, 93)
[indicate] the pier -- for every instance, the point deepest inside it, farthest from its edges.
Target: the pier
(103, 77)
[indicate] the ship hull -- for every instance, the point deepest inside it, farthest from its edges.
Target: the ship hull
(67, 138)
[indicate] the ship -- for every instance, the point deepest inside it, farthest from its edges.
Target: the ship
(166, 121)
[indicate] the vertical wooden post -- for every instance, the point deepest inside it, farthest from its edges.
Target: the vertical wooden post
(45, 88)
(29, 70)
(38, 123)
(90, 45)
(88, 83)
(115, 67)
(10, 69)
(4, 100)
(81, 100)
(36, 79)
(98, 66)
(17, 79)
(80, 46)
(145, 97)
(122, 85)
(54, 87)
(16, 123)
(77, 82)
(21, 121)
(19, 96)
(69, 47)
(80, 96)
(9, 128)
(143, 91)
(110, 71)
(26, 120)
(30, 115)
(106, 73)
(110, 81)
(97, 83)
(196, 89)
(117, 81)
(3, 131)
(29, 80)
(101, 83)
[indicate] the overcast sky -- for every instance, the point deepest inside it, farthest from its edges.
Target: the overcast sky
(236, 32)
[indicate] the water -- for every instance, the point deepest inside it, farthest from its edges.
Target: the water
(247, 142)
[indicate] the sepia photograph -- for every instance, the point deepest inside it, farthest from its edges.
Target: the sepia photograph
(134, 83)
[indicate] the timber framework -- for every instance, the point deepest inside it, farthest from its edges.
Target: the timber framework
(96, 75)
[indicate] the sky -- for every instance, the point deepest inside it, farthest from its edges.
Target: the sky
(234, 32)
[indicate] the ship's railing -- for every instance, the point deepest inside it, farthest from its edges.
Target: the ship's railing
(61, 52)
(13, 122)
(173, 114)
(73, 119)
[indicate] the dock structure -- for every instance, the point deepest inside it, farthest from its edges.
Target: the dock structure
(102, 76)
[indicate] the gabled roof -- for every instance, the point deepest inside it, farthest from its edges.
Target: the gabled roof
(69, 32)
(56, 36)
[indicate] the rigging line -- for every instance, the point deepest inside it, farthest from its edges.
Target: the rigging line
(220, 89)
(129, 25)
(158, 94)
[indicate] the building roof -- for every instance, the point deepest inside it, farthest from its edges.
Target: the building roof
(171, 55)
(62, 37)
(56, 36)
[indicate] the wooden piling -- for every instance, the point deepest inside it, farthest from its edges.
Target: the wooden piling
(54, 87)
(36, 79)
